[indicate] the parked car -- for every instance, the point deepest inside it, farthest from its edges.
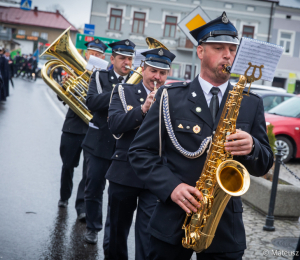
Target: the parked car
(272, 99)
(286, 120)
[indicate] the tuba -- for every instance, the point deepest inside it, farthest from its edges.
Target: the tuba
(221, 177)
(73, 91)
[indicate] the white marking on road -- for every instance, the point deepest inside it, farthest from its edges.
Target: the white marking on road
(54, 105)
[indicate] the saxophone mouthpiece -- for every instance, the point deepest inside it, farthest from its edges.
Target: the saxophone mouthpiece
(226, 69)
(155, 83)
(127, 67)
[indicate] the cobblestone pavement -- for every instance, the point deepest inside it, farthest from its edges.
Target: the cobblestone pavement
(259, 242)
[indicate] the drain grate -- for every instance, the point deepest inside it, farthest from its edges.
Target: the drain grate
(287, 243)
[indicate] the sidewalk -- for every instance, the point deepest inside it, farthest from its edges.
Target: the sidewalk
(259, 242)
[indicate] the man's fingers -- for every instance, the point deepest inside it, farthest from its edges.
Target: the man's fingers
(180, 203)
(194, 191)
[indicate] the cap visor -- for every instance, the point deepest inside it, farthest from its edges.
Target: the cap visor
(125, 53)
(159, 65)
(222, 39)
(95, 49)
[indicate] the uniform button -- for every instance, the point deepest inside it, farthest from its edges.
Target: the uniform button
(214, 132)
(117, 155)
(188, 127)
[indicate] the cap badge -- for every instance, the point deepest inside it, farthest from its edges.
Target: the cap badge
(129, 107)
(127, 43)
(198, 109)
(160, 52)
(97, 41)
(194, 94)
(224, 18)
(196, 129)
(180, 126)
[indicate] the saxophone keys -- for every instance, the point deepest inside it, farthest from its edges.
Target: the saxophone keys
(208, 183)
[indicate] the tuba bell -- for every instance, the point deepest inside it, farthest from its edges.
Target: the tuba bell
(73, 92)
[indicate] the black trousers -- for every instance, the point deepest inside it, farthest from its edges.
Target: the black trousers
(70, 149)
(96, 169)
(124, 200)
(160, 250)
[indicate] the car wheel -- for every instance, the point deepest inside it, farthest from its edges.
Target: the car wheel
(287, 148)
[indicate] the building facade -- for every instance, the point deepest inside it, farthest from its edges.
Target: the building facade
(31, 29)
(286, 32)
(136, 20)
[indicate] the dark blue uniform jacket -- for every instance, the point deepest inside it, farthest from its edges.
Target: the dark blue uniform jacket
(161, 179)
(100, 142)
(128, 123)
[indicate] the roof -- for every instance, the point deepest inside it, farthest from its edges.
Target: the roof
(34, 17)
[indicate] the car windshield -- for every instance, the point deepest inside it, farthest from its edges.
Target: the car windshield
(290, 108)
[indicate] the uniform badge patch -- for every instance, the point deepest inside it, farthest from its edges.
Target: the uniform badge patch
(180, 126)
(129, 107)
(112, 77)
(194, 94)
(196, 129)
(139, 91)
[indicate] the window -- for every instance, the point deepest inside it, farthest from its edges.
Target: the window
(248, 31)
(170, 26)
(35, 34)
(44, 36)
(285, 40)
(115, 19)
(21, 32)
(138, 22)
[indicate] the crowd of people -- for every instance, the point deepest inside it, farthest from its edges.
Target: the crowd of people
(10, 67)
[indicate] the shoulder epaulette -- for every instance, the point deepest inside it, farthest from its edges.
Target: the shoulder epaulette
(104, 70)
(177, 85)
(251, 92)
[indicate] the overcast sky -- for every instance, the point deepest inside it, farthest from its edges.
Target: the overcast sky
(77, 12)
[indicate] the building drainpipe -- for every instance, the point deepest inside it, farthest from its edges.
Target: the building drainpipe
(270, 22)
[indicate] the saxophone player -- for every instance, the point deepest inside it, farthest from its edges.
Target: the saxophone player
(177, 128)
(126, 192)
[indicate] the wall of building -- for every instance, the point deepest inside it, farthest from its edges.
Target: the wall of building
(287, 20)
(240, 12)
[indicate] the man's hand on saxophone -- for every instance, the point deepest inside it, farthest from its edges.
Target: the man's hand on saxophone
(240, 143)
(184, 196)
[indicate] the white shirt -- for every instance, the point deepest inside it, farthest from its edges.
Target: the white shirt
(147, 90)
(124, 77)
(206, 87)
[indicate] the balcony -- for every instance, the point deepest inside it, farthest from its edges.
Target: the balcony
(184, 44)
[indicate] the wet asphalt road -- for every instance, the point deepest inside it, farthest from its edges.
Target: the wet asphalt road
(31, 224)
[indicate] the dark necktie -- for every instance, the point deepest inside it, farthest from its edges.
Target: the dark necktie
(214, 102)
(120, 79)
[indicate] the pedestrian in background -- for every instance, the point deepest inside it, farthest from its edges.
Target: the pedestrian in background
(4, 69)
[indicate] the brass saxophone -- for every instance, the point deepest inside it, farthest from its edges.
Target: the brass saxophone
(221, 177)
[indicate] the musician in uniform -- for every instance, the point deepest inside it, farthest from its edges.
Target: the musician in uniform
(129, 106)
(73, 133)
(99, 144)
(190, 113)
